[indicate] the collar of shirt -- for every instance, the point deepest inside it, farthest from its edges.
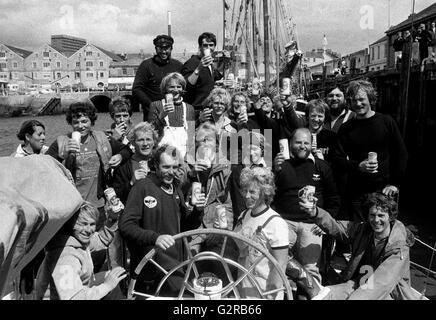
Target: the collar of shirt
(310, 157)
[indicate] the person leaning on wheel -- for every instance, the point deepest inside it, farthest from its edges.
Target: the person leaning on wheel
(155, 212)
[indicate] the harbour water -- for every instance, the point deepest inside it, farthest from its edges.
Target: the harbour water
(55, 125)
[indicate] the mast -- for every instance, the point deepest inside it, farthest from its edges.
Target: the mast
(248, 58)
(278, 46)
(224, 24)
(266, 40)
(254, 28)
(169, 23)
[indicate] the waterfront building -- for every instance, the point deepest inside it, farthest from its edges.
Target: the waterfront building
(425, 16)
(378, 54)
(122, 73)
(357, 62)
(47, 66)
(90, 66)
(12, 64)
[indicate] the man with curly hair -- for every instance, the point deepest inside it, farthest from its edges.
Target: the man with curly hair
(370, 131)
(379, 268)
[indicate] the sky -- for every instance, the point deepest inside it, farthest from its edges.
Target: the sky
(131, 25)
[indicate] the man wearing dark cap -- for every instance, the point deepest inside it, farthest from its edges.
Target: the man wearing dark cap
(146, 87)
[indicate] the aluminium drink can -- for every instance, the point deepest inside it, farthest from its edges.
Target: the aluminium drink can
(114, 202)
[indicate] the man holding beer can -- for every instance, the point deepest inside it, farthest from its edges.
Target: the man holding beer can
(304, 176)
(359, 140)
(201, 72)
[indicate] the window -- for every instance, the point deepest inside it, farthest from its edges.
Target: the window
(124, 71)
(101, 64)
(58, 75)
(89, 64)
(378, 52)
(2, 54)
(46, 65)
(314, 59)
(90, 75)
(77, 75)
(89, 53)
(101, 74)
(46, 54)
(2, 65)
(34, 65)
(15, 65)
(14, 75)
(58, 64)
(78, 64)
(372, 53)
(55, 55)
(47, 76)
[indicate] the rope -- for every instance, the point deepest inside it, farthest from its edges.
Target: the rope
(421, 267)
(425, 244)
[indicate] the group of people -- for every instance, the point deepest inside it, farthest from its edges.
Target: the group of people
(423, 36)
(289, 181)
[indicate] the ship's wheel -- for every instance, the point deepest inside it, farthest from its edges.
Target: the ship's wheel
(189, 269)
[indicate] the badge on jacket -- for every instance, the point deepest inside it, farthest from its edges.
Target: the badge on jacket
(150, 202)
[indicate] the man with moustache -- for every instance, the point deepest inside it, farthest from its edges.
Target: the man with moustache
(156, 211)
(292, 175)
(369, 131)
(339, 112)
(146, 87)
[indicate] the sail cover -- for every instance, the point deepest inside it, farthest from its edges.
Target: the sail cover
(37, 196)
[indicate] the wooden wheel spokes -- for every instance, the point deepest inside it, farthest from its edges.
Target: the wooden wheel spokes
(191, 266)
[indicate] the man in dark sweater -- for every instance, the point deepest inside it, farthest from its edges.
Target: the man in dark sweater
(200, 72)
(146, 87)
(370, 131)
(293, 175)
(156, 211)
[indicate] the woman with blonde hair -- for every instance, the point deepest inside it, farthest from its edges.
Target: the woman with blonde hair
(172, 117)
(263, 225)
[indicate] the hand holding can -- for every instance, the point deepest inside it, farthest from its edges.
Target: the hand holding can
(169, 99)
(372, 160)
(221, 216)
(196, 191)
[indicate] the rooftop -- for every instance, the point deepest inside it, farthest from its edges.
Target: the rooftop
(21, 52)
(427, 13)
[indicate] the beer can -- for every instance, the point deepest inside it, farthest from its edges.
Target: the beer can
(207, 52)
(76, 136)
(286, 87)
(284, 148)
(372, 156)
(115, 203)
(144, 165)
(314, 142)
(221, 216)
(196, 190)
(243, 109)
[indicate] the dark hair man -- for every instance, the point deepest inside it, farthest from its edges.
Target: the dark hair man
(339, 112)
(201, 72)
(370, 131)
(146, 87)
